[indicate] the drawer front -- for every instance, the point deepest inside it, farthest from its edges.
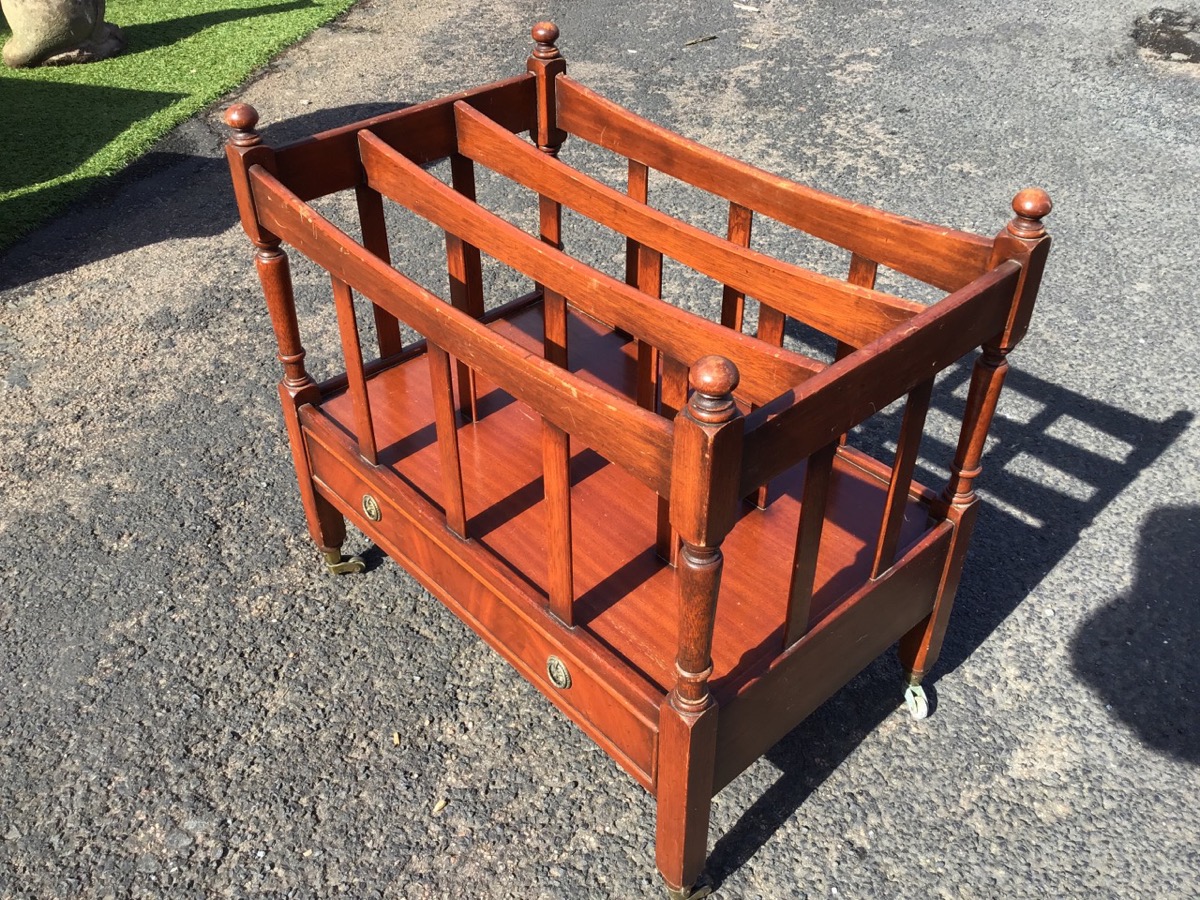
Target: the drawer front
(468, 580)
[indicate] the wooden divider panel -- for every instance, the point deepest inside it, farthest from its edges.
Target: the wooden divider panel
(328, 162)
(847, 312)
(635, 439)
(943, 257)
(766, 371)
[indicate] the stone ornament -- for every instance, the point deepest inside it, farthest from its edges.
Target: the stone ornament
(58, 33)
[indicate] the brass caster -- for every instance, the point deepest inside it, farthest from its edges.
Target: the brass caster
(335, 565)
(695, 892)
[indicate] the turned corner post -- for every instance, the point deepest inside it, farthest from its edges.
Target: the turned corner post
(705, 472)
(704, 481)
(545, 62)
(1023, 240)
(245, 150)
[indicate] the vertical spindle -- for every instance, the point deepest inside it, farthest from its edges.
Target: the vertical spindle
(343, 301)
(556, 476)
(546, 63)
(673, 400)
(465, 269)
(374, 239)
(911, 428)
(446, 425)
(643, 270)
(808, 543)
(733, 301)
(245, 150)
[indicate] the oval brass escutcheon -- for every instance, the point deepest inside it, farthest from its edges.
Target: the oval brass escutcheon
(557, 670)
(371, 508)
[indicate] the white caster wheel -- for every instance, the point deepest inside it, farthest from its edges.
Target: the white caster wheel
(916, 701)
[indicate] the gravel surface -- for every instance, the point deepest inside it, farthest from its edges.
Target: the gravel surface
(190, 708)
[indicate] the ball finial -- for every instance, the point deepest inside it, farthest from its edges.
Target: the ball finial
(1030, 205)
(714, 376)
(242, 118)
(544, 35)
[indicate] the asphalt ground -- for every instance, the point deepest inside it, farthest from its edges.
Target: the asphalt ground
(190, 708)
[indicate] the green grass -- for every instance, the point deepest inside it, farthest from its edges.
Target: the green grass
(66, 127)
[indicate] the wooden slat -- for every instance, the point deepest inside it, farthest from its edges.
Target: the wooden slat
(465, 269)
(649, 282)
(446, 425)
(847, 312)
(733, 301)
(556, 463)
(554, 317)
(556, 478)
(808, 543)
(674, 398)
(637, 185)
(643, 270)
(856, 387)
(554, 303)
(343, 302)
(375, 239)
(766, 371)
(328, 161)
(637, 440)
(771, 324)
(911, 429)
(943, 257)
(862, 272)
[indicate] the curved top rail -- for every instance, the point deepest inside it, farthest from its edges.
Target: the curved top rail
(767, 371)
(943, 257)
(850, 313)
(635, 439)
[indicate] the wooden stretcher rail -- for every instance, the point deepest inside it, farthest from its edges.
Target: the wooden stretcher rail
(637, 440)
(943, 257)
(859, 385)
(766, 371)
(852, 314)
(328, 162)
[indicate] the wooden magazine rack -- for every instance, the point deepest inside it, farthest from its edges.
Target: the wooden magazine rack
(654, 517)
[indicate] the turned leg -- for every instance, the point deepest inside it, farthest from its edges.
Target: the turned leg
(686, 759)
(329, 535)
(704, 503)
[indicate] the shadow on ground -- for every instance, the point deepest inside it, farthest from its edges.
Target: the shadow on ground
(1139, 652)
(178, 191)
(152, 35)
(1056, 459)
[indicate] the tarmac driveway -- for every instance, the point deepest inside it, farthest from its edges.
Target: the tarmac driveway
(190, 708)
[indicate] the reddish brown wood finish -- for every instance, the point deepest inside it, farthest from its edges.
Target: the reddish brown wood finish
(375, 239)
(567, 495)
(851, 313)
(940, 256)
